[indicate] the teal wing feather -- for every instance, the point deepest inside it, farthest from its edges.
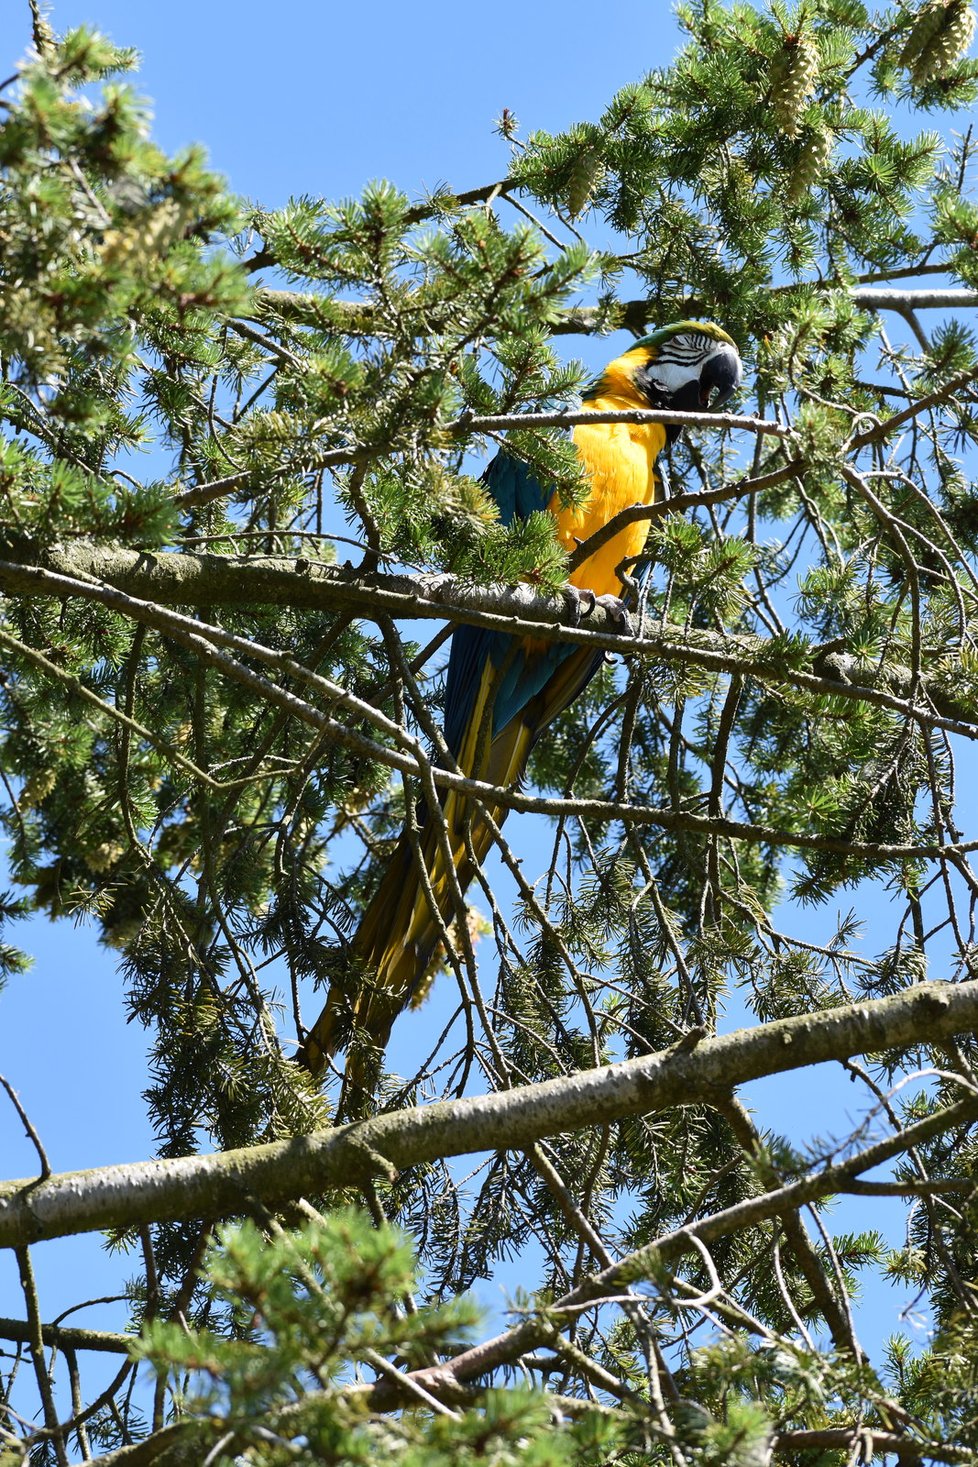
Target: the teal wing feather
(523, 671)
(515, 488)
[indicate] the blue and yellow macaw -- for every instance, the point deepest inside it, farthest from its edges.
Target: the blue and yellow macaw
(502, 691)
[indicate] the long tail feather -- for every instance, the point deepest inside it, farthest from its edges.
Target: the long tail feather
(399, 932)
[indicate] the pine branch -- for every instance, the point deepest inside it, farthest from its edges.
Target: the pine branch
(358, 318)
(355, 454)
(410, 758)
(469, 423)
(440, 204)
(665, 1251)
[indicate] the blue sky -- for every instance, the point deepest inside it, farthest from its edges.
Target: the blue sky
(314, 98)
(307, 97)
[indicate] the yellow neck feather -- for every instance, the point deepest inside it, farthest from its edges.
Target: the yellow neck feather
(616, 386)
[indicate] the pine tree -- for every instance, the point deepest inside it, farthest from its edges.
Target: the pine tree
(217, 713)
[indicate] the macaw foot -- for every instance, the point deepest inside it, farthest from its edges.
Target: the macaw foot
(587, 601)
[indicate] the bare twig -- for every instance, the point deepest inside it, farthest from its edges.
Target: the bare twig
(15, 1100)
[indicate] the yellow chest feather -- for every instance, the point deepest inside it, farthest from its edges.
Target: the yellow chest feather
(619, 459)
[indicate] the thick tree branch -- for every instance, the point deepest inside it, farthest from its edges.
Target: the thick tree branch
(409, 758)
(869, 1443)
(357, 318)
(873, 298)
(127, 1196)
(170, 579)
(63, 1337)
(175, 579)
(638, 315)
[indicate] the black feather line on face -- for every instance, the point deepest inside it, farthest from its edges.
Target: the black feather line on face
(685, 399)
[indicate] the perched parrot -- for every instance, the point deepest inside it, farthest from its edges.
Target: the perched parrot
(502, 691)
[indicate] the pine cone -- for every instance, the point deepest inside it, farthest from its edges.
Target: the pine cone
(815, 153)
(144, 239)
(793, 78)
(587, 170)
(923, 31)
(941, 34)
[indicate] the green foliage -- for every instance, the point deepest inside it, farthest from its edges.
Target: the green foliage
(302, 388)
(123, 236)
(308, 1308)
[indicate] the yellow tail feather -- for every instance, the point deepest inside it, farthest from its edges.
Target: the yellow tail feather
(399, 933)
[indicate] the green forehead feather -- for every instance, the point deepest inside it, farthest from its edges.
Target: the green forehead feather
(706, 328)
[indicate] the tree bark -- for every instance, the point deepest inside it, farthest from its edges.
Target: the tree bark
(690, 1072)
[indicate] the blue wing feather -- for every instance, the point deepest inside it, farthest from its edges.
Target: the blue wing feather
(515, 488)
(518, 493)
(471, 649)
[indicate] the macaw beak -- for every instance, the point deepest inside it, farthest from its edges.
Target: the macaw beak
(719, 378)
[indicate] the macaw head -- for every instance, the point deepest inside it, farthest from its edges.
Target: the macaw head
(689, 366)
